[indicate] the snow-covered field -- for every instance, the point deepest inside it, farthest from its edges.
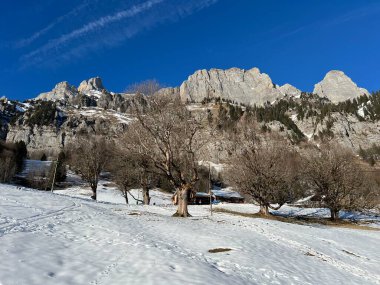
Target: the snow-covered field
(50, 238)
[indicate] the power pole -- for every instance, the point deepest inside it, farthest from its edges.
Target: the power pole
(209, 185)
(55, 172)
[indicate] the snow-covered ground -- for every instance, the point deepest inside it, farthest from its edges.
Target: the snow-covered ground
(57, 239)
(108, 193)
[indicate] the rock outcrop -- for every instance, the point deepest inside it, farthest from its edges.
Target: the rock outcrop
(338, 87)
(168, 91)
(242, 86)
(92, 84)
(61, 91)
(8, 111)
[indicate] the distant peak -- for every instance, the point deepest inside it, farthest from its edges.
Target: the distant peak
(338, 87)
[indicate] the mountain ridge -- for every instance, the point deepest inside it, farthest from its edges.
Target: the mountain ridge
(248, 87)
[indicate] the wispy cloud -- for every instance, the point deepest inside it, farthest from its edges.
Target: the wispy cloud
(29, 40)
(329, 22)
(354, 15)
(89, 27)
(124, 24)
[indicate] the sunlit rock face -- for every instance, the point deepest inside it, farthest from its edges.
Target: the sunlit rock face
(338, 87)
(290, 90)
(62, 90)
(92, 84)
(249, 87)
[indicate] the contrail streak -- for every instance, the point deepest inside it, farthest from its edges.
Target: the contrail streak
(100, 23)
(27, 41)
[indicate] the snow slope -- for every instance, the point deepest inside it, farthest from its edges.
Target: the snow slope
(55, 239)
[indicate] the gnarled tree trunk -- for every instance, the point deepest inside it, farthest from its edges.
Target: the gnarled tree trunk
(146, 197)
(264, 210)
(145, 190)
(94, 186)
(334, 214)
(182, 198)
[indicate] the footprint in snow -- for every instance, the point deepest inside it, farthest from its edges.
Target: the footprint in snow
(51, 274)
(175, 268)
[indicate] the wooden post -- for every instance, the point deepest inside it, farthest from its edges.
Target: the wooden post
(55, 172)
(209, 185)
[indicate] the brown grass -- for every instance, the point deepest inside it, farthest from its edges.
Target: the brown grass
(303, 220)
(217, 250)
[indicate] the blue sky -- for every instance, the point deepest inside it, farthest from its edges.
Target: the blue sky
(44, 42)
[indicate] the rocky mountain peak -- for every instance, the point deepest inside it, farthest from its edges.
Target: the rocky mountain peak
(63, 85)
(290, 90)
(338, 87)
(242, 86)
(92, 84)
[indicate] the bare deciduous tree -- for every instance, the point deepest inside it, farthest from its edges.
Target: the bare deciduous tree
(338, 180)
(146, 88)
(12, 158)
(7, 166)
(89, 157)
(129, 170)
(167, 136)
(266, 171)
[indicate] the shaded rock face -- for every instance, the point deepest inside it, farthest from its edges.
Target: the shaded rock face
(168, 91)
(61, 91)
(3, 129)
(92, 84)
(338, 87)
(52, 138)
(242, 86)
(348, 130)
(118, 102)
(290, 90)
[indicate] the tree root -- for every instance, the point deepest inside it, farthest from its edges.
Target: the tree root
(176, 214)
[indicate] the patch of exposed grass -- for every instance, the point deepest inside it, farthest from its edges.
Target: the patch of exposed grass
(302, 220)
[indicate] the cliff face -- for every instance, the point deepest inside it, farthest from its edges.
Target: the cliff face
(249, 87)
(346, 129)
(66, 127)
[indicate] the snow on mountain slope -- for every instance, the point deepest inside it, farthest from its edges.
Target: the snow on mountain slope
(54, 239)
